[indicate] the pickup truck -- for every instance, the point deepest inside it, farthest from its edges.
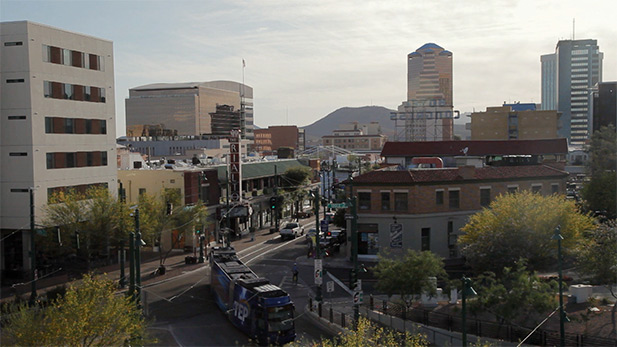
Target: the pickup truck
(291, 230)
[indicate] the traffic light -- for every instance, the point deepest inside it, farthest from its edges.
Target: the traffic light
(273, 201)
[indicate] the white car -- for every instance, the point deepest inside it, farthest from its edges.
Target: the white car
(291, 230)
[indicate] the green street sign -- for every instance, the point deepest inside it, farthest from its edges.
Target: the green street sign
(339, 205)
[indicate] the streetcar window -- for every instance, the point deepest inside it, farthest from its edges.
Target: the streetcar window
(280, 318)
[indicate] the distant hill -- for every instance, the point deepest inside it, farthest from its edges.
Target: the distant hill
(362, 115)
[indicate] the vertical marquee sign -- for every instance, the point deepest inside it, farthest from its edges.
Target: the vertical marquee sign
(235, 169)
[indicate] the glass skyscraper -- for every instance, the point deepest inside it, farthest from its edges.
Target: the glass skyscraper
(567, 78)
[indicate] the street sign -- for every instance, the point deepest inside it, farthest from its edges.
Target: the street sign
(349, 216)
(330, 286)
(318, 272)
(324, 226)
(338, 205)
(358, 297)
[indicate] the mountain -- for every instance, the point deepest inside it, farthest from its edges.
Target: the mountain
(362, 115)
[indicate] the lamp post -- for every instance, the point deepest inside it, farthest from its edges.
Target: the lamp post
(317, 245)
(562, 315)
(467, 290)
(32, 249)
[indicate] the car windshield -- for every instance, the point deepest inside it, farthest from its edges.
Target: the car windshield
(291, 225)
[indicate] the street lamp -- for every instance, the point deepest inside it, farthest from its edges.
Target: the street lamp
(562, 315)
(467, 290)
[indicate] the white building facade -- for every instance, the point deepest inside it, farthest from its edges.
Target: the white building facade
(57, 122)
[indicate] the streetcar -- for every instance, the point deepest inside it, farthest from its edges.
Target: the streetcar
(260, 309)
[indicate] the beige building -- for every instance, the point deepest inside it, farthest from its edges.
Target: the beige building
(58, 124)
(195, 108)
(502, 123)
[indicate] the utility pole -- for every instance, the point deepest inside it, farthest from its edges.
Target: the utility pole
(276, 210)
(32, 249)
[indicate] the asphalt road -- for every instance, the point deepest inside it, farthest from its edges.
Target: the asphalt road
(184, 313)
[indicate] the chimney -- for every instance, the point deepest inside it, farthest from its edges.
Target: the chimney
(467, 172)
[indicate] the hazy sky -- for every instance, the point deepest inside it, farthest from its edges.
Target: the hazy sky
(305, 59)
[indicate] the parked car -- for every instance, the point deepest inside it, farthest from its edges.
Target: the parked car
(291, 230)
(340, 235)
(304, 214)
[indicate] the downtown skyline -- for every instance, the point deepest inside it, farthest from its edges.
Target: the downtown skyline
(305, 61)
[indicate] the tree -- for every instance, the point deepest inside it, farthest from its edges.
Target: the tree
(521, 225)
(409, 276)
(597, 259)
(294, 181)
(603, 150)
(155, 222)
(369, 334)
(95, 217)
(599, 193)
(517, 293)
(90, 313)
(339, 218)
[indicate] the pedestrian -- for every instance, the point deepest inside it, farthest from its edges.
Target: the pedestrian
(295, 273)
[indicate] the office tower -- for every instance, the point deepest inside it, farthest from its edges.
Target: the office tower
(427, 114)
(190, 109)
(567, 78)
(604, 105)
(58, 125)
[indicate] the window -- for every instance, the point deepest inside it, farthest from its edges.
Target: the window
(103, 126)
(364, 200)
(104, 158)
(453, 198)
(17, 117)
(485, 196)
(18, 154)
(512, 189)
(87, 93)
(142, 191)
(554, 188)
(68, 91)
(15, 80)
(47, 89)
(13, 43)
(102, 94)
(385, 201)
(536, 188)
(89, 161)
(70, 160)
(66, 57)
(439, 197)
(400, 201)
(50, 161)
(19, 190)
(69, 126)
(426, 239)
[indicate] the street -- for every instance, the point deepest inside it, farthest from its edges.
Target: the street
(184, 313)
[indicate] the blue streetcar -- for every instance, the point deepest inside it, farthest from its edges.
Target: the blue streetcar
(260, 309)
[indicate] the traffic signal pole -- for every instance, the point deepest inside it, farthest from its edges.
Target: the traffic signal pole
(318, 297)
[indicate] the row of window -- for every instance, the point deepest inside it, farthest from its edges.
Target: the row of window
(58, 125)
(62, 160)
(58, 90)
(57, 55)
(82, 189)
(401, 198)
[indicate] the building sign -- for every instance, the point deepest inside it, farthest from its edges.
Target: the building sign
(235, 167)
(396, 235)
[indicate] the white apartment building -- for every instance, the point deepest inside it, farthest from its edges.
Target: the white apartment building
(58, 127)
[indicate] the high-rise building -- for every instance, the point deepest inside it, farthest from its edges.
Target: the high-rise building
(427, 114)
(604, 105)
(567, 78)
(58, 125)
(190, 109)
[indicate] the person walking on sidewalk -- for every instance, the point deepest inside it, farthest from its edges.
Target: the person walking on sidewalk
(295, 273)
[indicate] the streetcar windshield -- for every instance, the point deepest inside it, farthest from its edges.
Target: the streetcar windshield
(280, 318)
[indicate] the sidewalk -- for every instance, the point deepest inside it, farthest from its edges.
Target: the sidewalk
(174, 264)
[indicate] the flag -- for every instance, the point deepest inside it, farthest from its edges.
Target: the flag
(243, 63)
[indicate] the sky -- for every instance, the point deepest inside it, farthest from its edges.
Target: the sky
(305, 59)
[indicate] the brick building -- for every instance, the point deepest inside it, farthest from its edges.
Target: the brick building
(268, 141)
(508, 123)
(425, 209)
